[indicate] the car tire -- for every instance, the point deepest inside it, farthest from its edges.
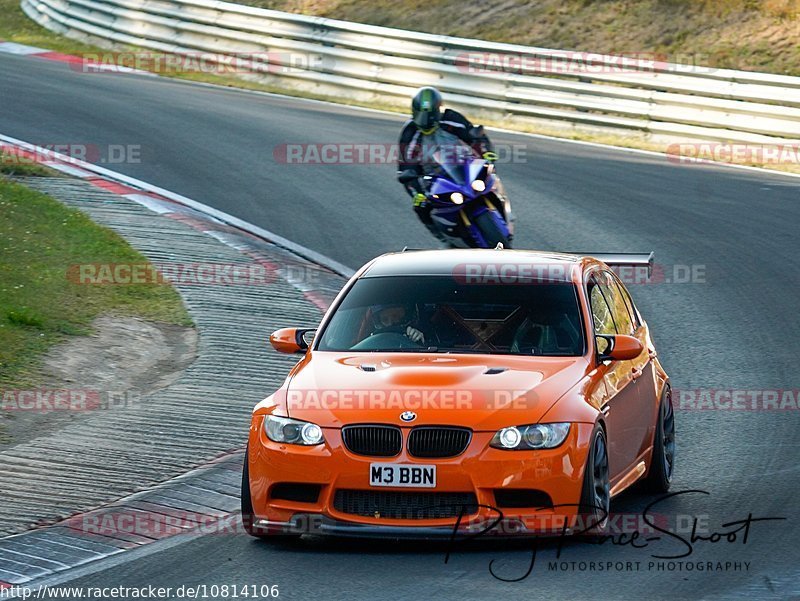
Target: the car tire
(595, 504)
(248, 516)
(490, 231)
(662, 461)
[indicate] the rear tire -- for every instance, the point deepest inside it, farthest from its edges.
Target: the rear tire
(490, 231)
(595, 504)
(662, 461)
(248, 517)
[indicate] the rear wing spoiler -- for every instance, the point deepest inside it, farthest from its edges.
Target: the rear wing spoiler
(624, 259)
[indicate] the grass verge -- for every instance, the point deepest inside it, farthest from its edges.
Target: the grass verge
(39, 239)
(756, 35)
(15, 26)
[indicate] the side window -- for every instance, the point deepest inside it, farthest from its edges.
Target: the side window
(616, 301)
(629, 303)
(602, 320)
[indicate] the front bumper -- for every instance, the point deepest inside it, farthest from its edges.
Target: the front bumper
(480, 470)
(322, 525)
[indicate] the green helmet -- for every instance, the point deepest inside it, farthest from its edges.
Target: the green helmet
(426, 108)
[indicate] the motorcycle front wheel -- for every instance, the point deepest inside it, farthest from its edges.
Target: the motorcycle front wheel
(491, 231)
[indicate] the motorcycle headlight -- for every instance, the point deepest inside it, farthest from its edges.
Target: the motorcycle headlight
(479, 185)
(535, 436)
(457, 198)
(292, 431)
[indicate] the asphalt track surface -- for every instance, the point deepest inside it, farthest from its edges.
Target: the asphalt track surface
(737, 329)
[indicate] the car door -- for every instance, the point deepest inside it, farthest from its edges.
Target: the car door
(622, 405)
(644, 370)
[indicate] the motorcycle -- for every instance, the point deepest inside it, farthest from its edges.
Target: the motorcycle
(469, 209)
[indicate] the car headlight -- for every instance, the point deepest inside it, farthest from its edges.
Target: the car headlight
(292, 431)
(536, 436)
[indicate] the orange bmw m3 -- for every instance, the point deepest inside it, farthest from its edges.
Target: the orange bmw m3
(463, 391)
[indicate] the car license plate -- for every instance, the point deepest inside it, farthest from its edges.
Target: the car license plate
(401, 474)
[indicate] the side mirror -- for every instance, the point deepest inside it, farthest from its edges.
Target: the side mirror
(407, 176)
(619, 347)
(292, 340)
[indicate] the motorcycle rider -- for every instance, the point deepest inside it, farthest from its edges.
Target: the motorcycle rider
(428, 129)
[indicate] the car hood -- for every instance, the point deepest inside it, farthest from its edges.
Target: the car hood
(482, 392)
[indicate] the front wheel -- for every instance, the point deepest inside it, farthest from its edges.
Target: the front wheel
(491, 231)
(595, 503)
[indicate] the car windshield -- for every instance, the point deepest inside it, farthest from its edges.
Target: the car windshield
(438, 314)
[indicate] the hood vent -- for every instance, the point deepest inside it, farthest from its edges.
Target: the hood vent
(366, 367)
(495, 370)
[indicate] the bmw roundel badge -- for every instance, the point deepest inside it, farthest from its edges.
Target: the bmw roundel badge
(408, 416)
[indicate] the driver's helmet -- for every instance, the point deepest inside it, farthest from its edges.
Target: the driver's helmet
(426, 109)
(391, 316)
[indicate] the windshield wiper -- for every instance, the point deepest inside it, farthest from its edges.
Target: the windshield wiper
(423, 349)
(465, 351)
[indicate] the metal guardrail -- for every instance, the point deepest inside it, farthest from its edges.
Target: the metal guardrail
(369, 63)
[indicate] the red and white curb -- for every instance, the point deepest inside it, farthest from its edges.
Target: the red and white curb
(85, 65)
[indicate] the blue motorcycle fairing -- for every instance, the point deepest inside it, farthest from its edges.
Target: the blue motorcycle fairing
(459, 177)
